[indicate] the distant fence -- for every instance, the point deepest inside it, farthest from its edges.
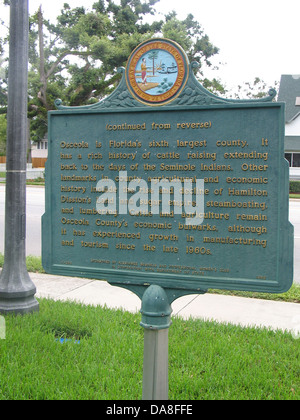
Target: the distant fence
(38, 162)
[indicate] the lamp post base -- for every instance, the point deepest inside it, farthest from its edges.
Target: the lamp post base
(16, 290)
(21, 306)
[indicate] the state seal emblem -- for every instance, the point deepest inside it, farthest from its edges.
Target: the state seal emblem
(157, 71)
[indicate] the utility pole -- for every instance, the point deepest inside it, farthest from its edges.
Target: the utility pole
(16, 288)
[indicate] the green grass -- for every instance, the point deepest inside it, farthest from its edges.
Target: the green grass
(34, 264)
(293, 295)
(207, 361)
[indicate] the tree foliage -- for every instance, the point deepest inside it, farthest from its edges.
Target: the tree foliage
(3, 127)
(189, 34)
(253, 90)
(76, 58)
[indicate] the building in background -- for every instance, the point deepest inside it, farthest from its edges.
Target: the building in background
(39, 153)
(289, 92)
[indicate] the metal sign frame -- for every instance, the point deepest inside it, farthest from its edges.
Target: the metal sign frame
(245, 241)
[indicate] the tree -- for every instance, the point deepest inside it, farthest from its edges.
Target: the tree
(3, 78)
(189, 34)
(3, 127)
(153, 56)
(3, 87)
(100, 40)
(76, 59)
(3, 97)
(253, 90)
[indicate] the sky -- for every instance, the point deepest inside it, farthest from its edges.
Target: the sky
(257, 38)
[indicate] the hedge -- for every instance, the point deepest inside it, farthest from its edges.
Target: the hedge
(295, 187)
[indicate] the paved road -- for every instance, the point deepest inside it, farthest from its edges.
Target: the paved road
(36, 207)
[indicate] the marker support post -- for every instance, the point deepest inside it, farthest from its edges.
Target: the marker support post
(156, 319)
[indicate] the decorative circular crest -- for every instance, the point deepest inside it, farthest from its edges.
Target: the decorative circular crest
(157, 71)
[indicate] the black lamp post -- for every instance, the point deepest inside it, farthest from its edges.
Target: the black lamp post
(16, 288)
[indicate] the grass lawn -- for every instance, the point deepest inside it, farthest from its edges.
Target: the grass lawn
(206, 360)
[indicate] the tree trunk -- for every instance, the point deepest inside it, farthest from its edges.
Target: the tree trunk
(43, 79)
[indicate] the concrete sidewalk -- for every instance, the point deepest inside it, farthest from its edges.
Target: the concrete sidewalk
(225, 309)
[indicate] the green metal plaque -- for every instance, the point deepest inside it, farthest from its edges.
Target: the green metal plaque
(164, 183)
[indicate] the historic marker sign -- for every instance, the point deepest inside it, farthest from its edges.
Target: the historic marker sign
(165, 183)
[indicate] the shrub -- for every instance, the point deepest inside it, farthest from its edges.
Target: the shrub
(295, 187)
